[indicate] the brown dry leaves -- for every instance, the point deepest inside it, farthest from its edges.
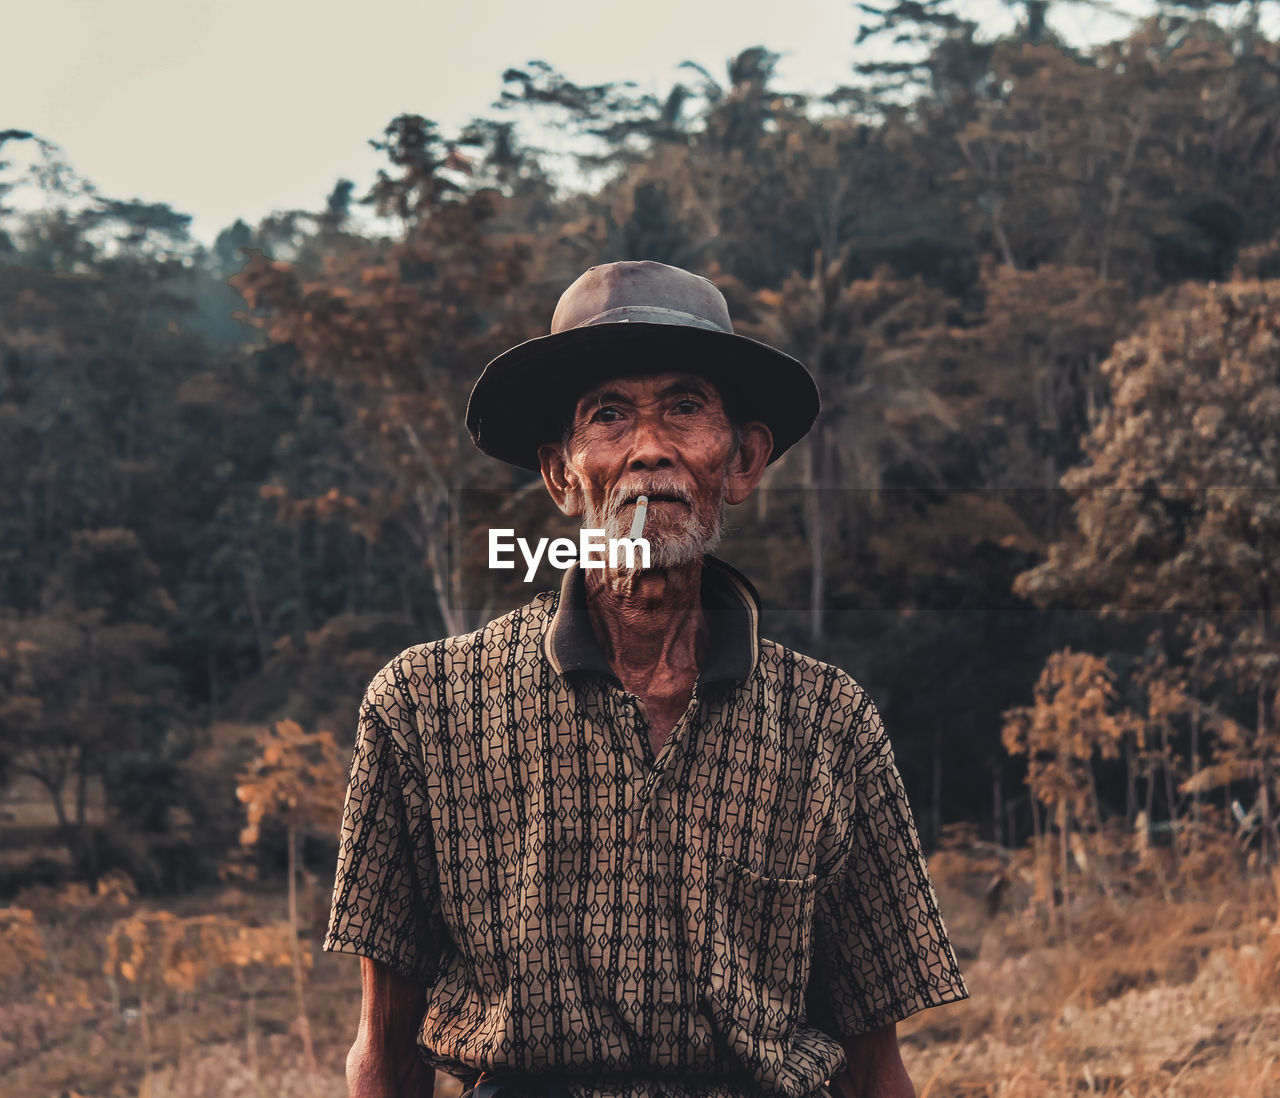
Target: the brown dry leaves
(298, 776)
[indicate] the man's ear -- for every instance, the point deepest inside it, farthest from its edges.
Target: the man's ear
(746, 465)
(559, 479)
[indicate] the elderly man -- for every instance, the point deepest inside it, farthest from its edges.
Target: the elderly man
(615, 843)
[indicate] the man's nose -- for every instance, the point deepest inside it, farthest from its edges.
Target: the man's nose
(650, 445)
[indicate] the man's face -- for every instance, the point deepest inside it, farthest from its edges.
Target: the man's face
(666, 436)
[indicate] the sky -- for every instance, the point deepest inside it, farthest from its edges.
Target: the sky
(236, 108)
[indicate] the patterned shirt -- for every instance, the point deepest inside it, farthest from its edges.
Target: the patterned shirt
(711, 921)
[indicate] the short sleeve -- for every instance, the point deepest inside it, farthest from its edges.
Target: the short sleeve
(385, 893)
(881, 951)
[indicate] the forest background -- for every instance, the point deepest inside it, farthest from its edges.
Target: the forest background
(1039, 285)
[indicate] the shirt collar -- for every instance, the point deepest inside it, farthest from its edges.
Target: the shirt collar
(729, 601)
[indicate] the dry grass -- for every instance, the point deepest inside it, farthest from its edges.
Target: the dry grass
(1142, 996)
(1167, 982)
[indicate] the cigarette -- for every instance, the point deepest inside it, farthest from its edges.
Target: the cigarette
(637, 523)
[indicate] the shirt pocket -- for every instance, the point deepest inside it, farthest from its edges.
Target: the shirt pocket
(760, 937)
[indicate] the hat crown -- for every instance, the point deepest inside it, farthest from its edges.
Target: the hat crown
(642, 291)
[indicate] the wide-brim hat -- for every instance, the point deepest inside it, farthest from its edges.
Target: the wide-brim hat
(627, 318)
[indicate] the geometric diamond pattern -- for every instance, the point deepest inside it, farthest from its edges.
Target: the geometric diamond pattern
(711, 921)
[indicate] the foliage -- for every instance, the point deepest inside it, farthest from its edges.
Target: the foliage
(157, 952)
(397, 329)
(104, 618)
(22, 952)
(1072, 721)
(297, 777)
(1176, 512)
(153, 951)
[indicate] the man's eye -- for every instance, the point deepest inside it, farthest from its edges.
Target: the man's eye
(607, 414)
(688, 406)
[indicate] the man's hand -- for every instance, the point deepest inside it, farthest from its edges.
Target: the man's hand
(384, 1061)
(873, 1067)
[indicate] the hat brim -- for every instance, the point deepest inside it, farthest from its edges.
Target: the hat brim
(523, 395)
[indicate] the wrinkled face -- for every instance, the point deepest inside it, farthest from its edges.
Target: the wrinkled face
(666, 436)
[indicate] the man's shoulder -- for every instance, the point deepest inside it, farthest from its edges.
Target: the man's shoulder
(517, 630)
(842, 698)
(778, 660)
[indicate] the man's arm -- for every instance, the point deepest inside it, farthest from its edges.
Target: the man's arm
(384, 1061)
(881, 951)
(873, 1067)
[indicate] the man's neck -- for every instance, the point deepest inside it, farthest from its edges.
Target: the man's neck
(650, 624)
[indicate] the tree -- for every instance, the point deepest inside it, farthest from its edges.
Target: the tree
(157, 953)
(400, 329)
(1176, 509)
(104, 618)
(1074, 718)
(296, 779)
(1022, 373)
(867, 342)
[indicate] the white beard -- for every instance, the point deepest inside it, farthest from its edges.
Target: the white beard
(697, 536)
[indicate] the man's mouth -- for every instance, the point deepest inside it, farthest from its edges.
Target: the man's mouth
(655, 497)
